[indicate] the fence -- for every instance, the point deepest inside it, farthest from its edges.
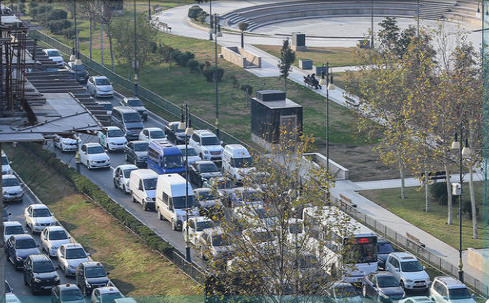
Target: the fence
(190, 268)
(410, 246)
(144, 93)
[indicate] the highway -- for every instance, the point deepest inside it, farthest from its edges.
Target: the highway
(103, 178)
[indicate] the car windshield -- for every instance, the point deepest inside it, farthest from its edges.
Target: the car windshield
(173, 161)
(53, 53)
(94, 272)
(308, 261)
(107, 106)
(132, 117)
(346, 291)
(95, 150)
(191, 152)
(224, 184)
(109, 298)
(14, 230)
(134, 102)
(218, 240)
(58, 235)
(127, 172)
(43, 266)
(75, 253)
(71, 294)
(179, 202)
(262, 213)
(157, 134)
(459, 294)
(4, 160)
(387, 281)
(411, 266)
(205, 224)
(41, 212)
(210, 141)
(141, 146)
(208, 168)
(25, 244)
(384, 248)
(206, 195)
(78, 68)
(115, 133)
(150, 184)
(295, 228)
(10, 182)
(242, 162)
(102, 81)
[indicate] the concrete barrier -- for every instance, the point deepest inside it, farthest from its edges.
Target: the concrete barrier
(338, 172)
(241, 57)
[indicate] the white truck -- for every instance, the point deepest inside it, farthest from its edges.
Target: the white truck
(142, 185)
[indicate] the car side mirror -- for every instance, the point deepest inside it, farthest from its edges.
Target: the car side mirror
(396, 269)
(62, 255)
(88, 254)
(424, 267)
(37, 245)
(221, 142)
(9, 162)
(57, 267)
(107, 273)
(445, 298)
(9, 214)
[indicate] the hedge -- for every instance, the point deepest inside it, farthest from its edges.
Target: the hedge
(84, 185)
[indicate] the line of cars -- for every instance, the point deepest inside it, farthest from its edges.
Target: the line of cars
(40, 272)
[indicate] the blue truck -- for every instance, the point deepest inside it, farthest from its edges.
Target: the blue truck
(165, 158)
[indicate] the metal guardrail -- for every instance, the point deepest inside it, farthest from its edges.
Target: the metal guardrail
(179, 260)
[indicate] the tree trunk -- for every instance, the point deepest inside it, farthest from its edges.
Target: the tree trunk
(285, 85)
(403, 181)
(102, 43)
(426, 190)
(90, 29)
(110, 48)
(449, 195)
(472, 202)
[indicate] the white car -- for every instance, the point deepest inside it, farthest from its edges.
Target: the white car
(6, 169)
(407, 270)
(37, 217)
(112, 138)
(153, 134)
(12, 228)
(195, 228)
(11, 298)
(255, 215)
(70, 256)
(106, 294)
(66, 144)
(54, 55)
(100, 86)
(192, 154)
(207, 145)
(121, 176)
(12, 189)
(52, 237)
(447, 289)
(93, 155)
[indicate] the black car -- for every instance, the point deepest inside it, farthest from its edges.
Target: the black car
(382, 287)
(91, 275)
(174, 134)
(136, 152)
(19, 247)
(67, 293)
(384, 248)
(79, 72)
(201, 171)
(40, 273)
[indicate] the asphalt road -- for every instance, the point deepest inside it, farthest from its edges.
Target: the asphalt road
(103, 178)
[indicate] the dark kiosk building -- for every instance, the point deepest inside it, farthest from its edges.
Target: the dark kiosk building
(271, 111)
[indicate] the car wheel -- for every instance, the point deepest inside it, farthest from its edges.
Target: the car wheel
(402, 284)
(145, 208)
(115, 184)
(173, 225)
(125, 189)
(25, 281)
(88, 165)
(133, 199)
(364, 291)
(160, 217)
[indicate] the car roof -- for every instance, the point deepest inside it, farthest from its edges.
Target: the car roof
(420, 299)
(92, 144)
(50, 49)
(22, 236)
(131, 98)
(145, 173)
(153, 128)
(213, 231)
(125, 109)
(342, 284)
(451, 282)
(50, 228)
(202, 189)
(112, 127)
(92, 264)
(200, 219)
(203, 162)
(67, 286)
(39, 257)
(72, 245)
(204, 133)
(403, 256)
(108, 289)
(39, 206)
(383, 274)
(100, 77)
(11, 223)
(127, 166)
(9, 177)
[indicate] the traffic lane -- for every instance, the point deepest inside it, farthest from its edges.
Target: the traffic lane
(104, 179)
(16, 278)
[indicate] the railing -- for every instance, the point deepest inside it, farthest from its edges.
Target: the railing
(409, 245)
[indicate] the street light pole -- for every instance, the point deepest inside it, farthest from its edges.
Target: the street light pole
(218, 33)
(136, 67)
(149, 10)
(77, 45)
(372, 25)
(210, 20)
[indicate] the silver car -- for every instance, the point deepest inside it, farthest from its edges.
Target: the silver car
(70, 256)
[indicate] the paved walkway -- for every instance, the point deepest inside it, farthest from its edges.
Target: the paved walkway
(177, 19)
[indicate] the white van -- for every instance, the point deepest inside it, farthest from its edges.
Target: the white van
(236, 161)
(170, 200)
(142, 185)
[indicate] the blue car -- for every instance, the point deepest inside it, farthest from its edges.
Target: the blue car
(19, 247)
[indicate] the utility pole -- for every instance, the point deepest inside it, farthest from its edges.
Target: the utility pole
(149, 10)
(372, 25)
(2, 244)
(136, 67)
(102, 42)
(77, 45)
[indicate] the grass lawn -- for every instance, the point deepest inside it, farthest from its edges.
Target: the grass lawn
(136, 270)
(434, 222)
(336, 56)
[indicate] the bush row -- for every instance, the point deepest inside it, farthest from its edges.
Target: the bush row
(84, 185)
(53, 19)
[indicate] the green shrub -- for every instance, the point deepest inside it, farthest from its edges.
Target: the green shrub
(467, 209)
(209, 73)
(438, 192)
(56, 14)
(58, 26)
(194, 11)
(193, 65)
(69, 33)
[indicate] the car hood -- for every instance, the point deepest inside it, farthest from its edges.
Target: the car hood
(132, 125)
(12, 189)
(139, 108)
(46, 275)
(76, 262)
(392, 291)
(210, 175)
(98, 157)
(104, 88)
(245, 170)
(24, 253)
(58, 243)
(99, 280)
(418, 275)
(42, 220)
(151, 193)
(117, 140)
(68, 141)
(213, 148)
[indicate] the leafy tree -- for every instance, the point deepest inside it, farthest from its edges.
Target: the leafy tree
(287, 57)
(248, 90)
(89, 9)
(106, 9)
(193, 65)
(242, 27)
